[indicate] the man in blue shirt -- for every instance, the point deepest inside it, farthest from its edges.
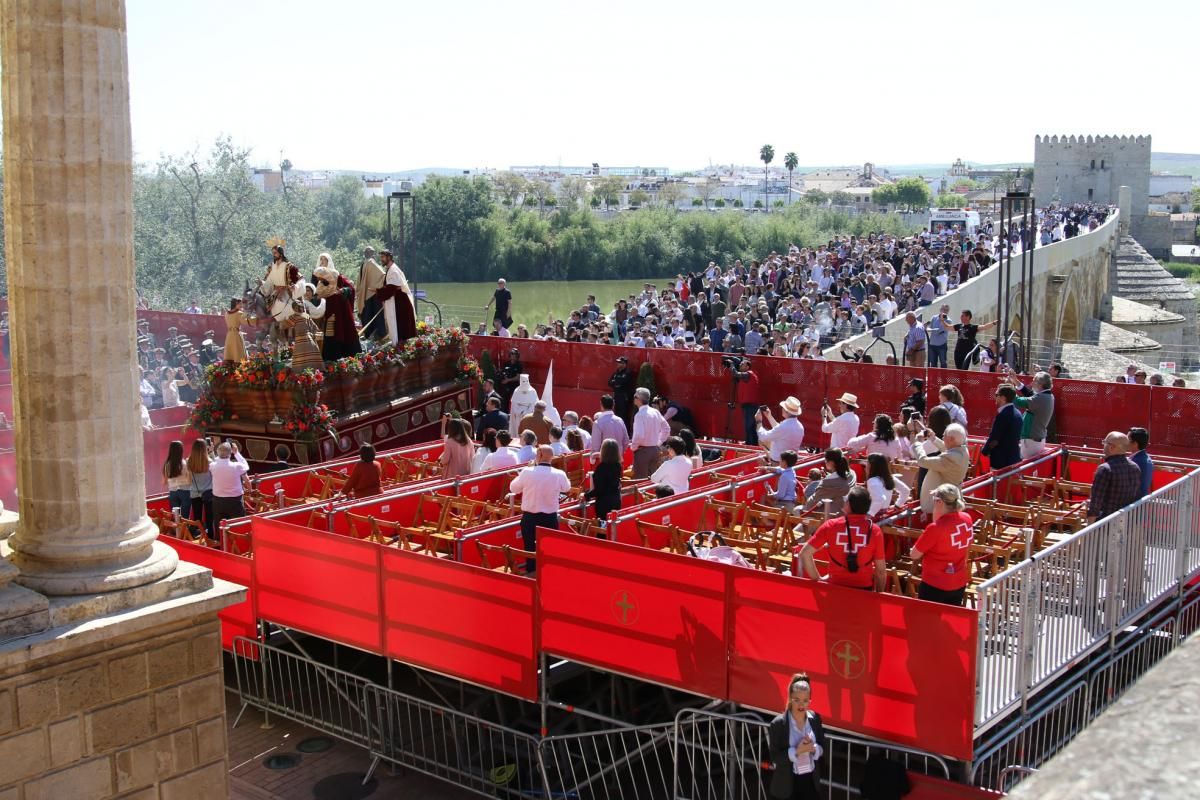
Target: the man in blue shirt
(716, 337)
(784, 495)
(938, 330)
(1140, 438)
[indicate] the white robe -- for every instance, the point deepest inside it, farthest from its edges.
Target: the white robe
(523, 400)
(395, 277)
(277, 278)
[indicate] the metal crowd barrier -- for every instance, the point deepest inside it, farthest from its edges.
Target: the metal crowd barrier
(1040, 617)
(723, 757)
(622, 763)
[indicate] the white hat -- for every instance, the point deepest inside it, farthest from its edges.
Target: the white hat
(791, 406)
(849, 399)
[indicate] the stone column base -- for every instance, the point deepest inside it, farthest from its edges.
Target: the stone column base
(124, 698)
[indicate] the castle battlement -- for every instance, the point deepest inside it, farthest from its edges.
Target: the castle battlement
(1141, 140)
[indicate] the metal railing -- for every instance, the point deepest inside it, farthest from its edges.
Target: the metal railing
(1040, 617)
(725, 757)
(301, 689)
(613, 763)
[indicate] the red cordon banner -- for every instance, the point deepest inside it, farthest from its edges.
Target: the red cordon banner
(236, 620)
(1086, 410)
(460, 620)
(317, 583)
(890, 667)
(639, 612)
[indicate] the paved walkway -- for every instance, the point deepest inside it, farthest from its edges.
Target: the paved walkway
(250, 746)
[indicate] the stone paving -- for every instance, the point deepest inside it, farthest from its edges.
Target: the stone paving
(344, 764)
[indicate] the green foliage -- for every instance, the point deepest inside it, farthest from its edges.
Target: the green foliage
(912, 193)
(739, 204)
(486, 366)
(777, 204)
(884, 195)
(1196, 198)
(638, 197)
(840, 198)
(645, 378)
(200, 231)
(719, 202)
(966, 183)
(816, 197)
(697, 202)
(790, 162)
(757, 203)
(950, 200)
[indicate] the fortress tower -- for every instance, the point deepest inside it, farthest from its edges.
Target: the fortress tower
(1080, 169)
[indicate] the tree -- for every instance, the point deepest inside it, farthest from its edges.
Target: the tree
(840, 198)
(790, 162)
(912, 193)
(766, 154)
(540, 190)
(509, 186)
(670, 193)
(609, 189)
(884, 195)
(1196, 199)
(707, 188)
(949, 200)
(719, 202)
(696, 202)
(758, 203)
(638, 197)
(816, 196)
(739, 204)
(571, 190)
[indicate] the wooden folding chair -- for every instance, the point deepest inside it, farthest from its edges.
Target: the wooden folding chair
(491, 556)
(722, 516)
(514, 559)
(675, 539)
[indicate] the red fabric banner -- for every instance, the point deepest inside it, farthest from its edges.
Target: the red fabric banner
(317, 583)
(463, 621)
(635, 611)
(236, 620)
(890, 667)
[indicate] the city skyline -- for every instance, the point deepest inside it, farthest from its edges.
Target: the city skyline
(388, 87)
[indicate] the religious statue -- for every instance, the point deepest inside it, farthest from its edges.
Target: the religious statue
(305, 352)
(341, 335)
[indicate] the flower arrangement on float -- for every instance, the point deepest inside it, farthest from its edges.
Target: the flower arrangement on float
(307, 422)
(265, 387)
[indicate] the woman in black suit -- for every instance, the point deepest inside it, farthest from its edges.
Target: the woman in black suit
(796, 744)
(606, 480)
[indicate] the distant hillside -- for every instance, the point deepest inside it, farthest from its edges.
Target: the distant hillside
(1178, 163)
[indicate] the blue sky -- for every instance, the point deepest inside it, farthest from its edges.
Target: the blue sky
(376, 85)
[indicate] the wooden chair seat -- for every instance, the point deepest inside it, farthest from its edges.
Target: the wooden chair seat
(514, 559)
(675, 538)
(491, 556)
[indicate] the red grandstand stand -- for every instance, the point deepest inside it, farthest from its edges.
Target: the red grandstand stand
(474, 624)
(317, 583)
(890, 667)
(651, 615)
(236, 620)
(927, 787)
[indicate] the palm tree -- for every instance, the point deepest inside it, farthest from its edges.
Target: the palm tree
(767, 154)
(790, 163)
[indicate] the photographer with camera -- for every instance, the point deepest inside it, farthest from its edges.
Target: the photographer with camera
(745, 393)
(781, 436)
(852, 544)
(844, 426)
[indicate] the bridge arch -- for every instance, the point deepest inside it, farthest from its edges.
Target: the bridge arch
(1070, 327)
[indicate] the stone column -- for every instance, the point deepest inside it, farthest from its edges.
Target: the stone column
(69, 213)
(1125, 204)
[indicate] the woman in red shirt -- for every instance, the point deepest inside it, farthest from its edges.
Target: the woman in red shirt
(944, 547)
(364, 478)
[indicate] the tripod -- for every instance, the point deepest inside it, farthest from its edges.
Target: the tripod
(729, 407)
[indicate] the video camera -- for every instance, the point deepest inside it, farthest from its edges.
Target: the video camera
(731, 362)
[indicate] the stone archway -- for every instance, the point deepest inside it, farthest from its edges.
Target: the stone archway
(1070, 327)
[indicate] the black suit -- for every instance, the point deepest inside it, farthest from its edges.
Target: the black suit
(1003, 446)
(784, 783)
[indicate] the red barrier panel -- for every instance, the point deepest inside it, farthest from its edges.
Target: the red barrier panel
(654, 616)
(6, 399)
(1174, 422)
(463, 621)
(169, 417)
(925, 787)
(880, 390)
(8, 479)
(886, 666)
(317, 583)
(236, 620)
(191, 325)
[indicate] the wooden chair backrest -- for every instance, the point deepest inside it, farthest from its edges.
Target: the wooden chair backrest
(721, 516)
(515, 559)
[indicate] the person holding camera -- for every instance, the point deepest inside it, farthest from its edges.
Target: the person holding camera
(746, 394)
(938, 331)
(782, 436)
(844, 426)
(853, 545)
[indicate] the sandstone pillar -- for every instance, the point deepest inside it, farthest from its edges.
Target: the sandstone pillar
(1125, 205)
(68, 206)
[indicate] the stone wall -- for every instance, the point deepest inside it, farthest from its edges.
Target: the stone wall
(140, 715)
(1080, 169)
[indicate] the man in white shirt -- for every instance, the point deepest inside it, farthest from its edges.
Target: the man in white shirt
(539, 487)
(228, 479)
(650, 430)
(844, 427)
(503, 456)
(782, 436)
(607, 425)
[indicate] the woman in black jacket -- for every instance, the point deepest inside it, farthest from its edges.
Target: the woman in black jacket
(606, 480)
(796, 744)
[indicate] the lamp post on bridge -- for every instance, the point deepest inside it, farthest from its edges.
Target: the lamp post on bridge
(1016, 207)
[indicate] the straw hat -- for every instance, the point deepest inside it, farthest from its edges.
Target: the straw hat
(849, 399)
(791, 406)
